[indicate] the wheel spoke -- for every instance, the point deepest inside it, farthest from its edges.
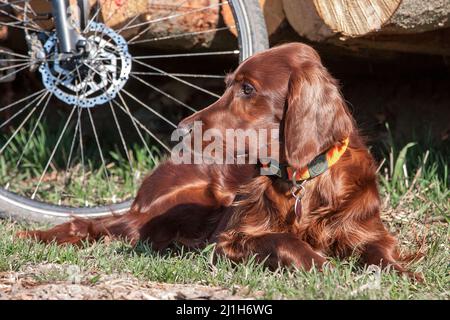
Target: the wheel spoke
(14, 54)
(14, 66)
(30, 28)
(83, 167)
(25, 148)
(18, 26)
(53, 154)
(122, 139)
(182, 35)
(34, 94)
(22, 123)
(194, 54)
(111, 14)
(5, 4)
(148, 108)
(119, 129)
(14, 5)
(22, 100)
(175, 55)
(126, 110)
(124, 27)
(41, 97)
(15, 71)
(59, 80)
(94, 17)
(72, 146)
(136, 121)
(39, 29)
(177, 78)
(28, 5)
(118, 32)
(108, 41)
(176, 15)
(164, 93)
(148, 27)
(21, 111)
(16, 60)
(98, 73)
(31, 61)
(181, 75)
(97, 141)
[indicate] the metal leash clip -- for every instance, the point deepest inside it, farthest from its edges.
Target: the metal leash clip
(297, 191)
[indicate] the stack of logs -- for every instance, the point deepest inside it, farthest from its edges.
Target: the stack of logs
(400, 25)
(417, 26)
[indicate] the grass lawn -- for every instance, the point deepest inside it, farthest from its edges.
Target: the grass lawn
(414, 182)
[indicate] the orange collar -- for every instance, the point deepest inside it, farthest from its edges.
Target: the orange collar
(316, 167)
(319, 164)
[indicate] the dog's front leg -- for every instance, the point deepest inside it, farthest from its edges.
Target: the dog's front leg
(274, 249)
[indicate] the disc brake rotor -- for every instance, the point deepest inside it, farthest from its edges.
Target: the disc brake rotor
(95, 78)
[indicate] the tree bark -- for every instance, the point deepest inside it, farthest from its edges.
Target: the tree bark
(414, 16)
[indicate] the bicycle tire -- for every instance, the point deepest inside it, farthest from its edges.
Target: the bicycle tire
(253, 38)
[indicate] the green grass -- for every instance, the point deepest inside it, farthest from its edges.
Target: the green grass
(343, 281)
(414, 181)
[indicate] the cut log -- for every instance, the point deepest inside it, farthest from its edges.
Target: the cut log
(413, 26)
(355, 18)
(302, 15)
(273, 14)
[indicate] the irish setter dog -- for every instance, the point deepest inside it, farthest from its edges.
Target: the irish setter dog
(246, 213)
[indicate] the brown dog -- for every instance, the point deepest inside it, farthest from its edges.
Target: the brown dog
(246, 213)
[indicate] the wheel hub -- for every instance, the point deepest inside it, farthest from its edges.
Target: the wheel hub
(94, 76)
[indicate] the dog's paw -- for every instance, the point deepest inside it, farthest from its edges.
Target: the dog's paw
(416, 277)
(27, 235)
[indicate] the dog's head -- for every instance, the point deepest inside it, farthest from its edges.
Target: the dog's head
(286, 87)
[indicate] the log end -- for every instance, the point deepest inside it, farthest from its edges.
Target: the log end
(356, 18)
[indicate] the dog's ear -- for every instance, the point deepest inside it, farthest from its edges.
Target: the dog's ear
(316, 117)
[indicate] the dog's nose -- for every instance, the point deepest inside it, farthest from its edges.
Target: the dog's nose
(185, 128)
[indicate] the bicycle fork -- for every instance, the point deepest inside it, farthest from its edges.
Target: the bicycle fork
(69, 24)
(67, 36)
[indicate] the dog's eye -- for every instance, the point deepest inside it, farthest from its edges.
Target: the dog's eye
(247, 89)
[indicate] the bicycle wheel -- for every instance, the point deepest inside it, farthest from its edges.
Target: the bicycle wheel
(77, 136)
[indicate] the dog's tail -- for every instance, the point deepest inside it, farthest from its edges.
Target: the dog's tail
(78, 230)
